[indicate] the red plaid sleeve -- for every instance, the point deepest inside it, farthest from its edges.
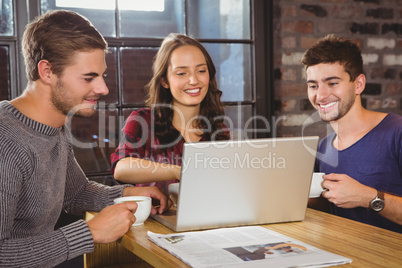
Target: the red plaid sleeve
(135, 137)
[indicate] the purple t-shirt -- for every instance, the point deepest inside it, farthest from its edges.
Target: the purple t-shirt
(375, 160)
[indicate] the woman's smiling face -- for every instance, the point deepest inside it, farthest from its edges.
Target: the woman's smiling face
(188, 76)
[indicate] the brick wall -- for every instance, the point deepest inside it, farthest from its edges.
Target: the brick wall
(375, 25)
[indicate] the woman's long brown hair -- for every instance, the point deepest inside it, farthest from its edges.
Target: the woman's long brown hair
(160, 99)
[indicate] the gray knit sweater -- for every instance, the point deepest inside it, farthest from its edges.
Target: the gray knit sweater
(39, 177)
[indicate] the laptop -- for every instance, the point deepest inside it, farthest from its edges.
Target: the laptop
(244, 182)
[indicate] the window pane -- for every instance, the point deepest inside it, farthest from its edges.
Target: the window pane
(153, 23)
(236, 119)
(6, 18)
(4, 73)
(95, 139)
(136, 68)
(111, 78)
(103, 17)
(233, 67)
(219, 19)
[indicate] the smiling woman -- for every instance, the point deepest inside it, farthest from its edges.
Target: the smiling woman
(187, 77)
(183, 106)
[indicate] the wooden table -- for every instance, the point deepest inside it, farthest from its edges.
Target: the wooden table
(366, 245)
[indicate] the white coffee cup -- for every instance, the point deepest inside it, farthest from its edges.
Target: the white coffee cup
(173, 190)
(143, 210)
(315, 188)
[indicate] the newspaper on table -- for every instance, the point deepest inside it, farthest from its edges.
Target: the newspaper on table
(249, 246)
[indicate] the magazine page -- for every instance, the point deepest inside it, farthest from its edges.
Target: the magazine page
(249, 246)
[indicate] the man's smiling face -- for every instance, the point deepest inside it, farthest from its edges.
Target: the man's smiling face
(78, 88)
(330, 90)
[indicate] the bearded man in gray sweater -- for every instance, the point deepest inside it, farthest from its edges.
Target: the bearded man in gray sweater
(39, 175)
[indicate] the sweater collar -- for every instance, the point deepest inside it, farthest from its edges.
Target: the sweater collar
(39, 127)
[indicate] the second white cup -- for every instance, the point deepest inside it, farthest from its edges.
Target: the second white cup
(315, 188)
(143, 210)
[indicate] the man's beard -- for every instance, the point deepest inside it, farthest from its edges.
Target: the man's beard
(343, 109)
(65, 104)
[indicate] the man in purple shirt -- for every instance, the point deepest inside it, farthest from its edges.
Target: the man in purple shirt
(362, 159)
